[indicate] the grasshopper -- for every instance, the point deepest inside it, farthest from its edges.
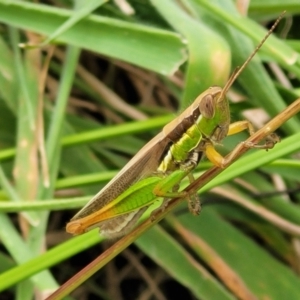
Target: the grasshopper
(160, 166)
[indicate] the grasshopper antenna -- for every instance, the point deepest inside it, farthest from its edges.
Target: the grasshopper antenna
(239, 70)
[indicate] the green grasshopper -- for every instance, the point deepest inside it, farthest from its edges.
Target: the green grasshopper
(159, 167)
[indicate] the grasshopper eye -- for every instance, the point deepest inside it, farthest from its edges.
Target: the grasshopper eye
(207, 106)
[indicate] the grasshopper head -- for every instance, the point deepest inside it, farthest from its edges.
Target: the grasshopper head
(214, 111)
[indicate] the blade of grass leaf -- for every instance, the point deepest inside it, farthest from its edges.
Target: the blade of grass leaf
(283, 53)
(181, 264)
(159, 50)
(201, 72)
(21, 254)
(32, 217)
(80, 13)
(44, 261)
(104, 133)
(54, 134)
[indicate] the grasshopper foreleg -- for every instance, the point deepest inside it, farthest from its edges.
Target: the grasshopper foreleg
(217, 159)
(239, 126)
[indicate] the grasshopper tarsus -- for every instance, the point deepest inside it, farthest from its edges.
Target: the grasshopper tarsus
(270, 141)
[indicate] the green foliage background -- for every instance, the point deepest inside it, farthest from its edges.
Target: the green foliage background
(68, 128)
